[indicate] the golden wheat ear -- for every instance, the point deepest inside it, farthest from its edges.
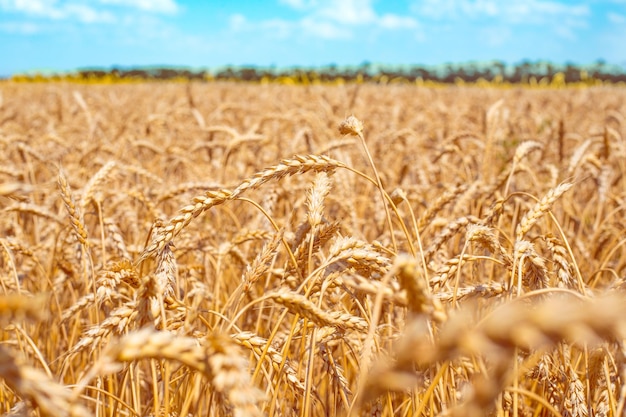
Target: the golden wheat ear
(38, 388)
(216, 357)
(15, 308)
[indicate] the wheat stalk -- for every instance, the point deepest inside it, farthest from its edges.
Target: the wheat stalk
(297, 165)
(216, 358)
(301, 305)
(75, 214)
(544, 205)
(48, 396)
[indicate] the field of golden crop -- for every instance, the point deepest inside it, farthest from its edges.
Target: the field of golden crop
(246, 250)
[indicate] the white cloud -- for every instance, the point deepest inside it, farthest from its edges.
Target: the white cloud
(156, 6)
(140, 17)
(84, 11)
(496, 35)
(351, 12)
(296, 4)
(54, 10)
(440, 9)
(86, 14)
(327, 19)
(562, 18)
(41, 8)
(512, 11)
(22, 28)
(538, 11)
(278, 28)
(324, 29)
(273, 28)
(565, 32)
(392, 21)
(237, 22)
(357, 12)
(616, 18)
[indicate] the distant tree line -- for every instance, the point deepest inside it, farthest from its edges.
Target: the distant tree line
(523, 72)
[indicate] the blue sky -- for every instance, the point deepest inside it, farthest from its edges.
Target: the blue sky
(68, 34)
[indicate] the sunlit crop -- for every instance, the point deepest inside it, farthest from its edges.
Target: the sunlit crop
(217, 249)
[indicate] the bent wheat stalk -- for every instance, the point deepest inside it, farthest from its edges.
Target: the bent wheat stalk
(297, 165)
(216, 357)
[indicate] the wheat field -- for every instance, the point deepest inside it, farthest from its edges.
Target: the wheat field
(224, 249)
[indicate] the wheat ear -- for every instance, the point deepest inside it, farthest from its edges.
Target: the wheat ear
(48, 396)
(216, 357)
(295, 165)
(544, 205)
(299, 304)
(76, 218)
